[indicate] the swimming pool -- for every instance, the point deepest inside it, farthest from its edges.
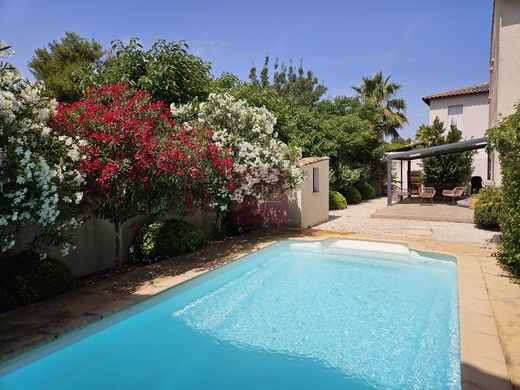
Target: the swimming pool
(296, 315)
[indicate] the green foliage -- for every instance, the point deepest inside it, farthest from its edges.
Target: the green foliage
(488, 208)
(380, 91)
(300, 87)
(167, 70)
(505, 138)
(25, 278)
(352, 195)
(164, 239)
(346, 129)
(56, 65)
(344, 176)
(449, 170)
(337, 201)
(366, 190)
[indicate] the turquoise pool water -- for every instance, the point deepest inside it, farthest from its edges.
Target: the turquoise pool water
(290, 316)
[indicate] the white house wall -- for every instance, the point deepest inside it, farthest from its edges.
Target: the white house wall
(475, 118)
(307, 207)
(504, 64)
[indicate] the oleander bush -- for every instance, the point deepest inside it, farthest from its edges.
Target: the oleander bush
(40, 181)
(337, 201)
(164, 239)
(366, 190)
(488, 207)
(25, 278)
(505, 138)
(352, 195)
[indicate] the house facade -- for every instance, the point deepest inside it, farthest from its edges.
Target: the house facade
(504, 65)
(468, 109)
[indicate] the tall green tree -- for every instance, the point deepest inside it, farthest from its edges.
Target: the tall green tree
(449, 170)
(291, 82)
(167, 70)
(381, 91)
(56, 65)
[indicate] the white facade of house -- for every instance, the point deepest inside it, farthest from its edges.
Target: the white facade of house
(470, 112)
(504, 65)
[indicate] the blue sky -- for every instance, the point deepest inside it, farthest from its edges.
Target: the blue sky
(428, 46)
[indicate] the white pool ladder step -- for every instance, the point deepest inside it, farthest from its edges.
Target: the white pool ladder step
(370, 246)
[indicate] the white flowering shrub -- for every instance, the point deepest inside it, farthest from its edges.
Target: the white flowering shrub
(261, 160)
(40, 184)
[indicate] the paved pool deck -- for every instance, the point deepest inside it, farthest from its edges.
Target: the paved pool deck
(489, 304)
(437, 212)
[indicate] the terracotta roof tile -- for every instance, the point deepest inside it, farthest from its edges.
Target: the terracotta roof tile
(478, 88)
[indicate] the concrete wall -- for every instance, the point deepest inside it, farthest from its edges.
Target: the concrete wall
(307, 207)
(95, 242)
(475, 114)
(504, 64)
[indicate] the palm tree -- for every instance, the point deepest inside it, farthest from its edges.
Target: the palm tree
(380, 91)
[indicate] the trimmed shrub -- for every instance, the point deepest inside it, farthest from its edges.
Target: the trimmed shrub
(366, 190)
(505, 138)
(487, 209)
(352, 195)
(164, 239)
(25, 278)
(337, 201)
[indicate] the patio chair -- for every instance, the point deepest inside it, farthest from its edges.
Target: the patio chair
(426, 193)
(457, 192)
(399, 192)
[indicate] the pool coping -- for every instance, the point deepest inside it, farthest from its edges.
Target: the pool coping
(483, 365)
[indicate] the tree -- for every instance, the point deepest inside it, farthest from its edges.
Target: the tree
(449, 170)
(167, 70)
(380, 91)
(137, 159)
(40, 184)
(505, 138)
(301, 87)
(56, 65)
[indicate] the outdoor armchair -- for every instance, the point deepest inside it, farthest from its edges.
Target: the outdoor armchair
(426, 193)
(457, 192)
(399, 192)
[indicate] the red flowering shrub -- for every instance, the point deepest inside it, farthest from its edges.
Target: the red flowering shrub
(136, 158)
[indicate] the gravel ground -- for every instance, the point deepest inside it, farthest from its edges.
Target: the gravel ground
(356, 218)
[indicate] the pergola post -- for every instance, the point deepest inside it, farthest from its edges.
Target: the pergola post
(389, 181)
(409, 177)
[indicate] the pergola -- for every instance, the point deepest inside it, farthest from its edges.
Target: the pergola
(409, 155)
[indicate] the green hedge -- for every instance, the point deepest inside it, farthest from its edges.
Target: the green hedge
(366, 190)
(487, 209)
(337, 201)
(352, 195)
(164, 239)
(505, 138)
(25, 278)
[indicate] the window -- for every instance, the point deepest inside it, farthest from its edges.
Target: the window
(455, 116)
(315, 179)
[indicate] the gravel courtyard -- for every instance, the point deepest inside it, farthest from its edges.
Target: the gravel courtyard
(357, 218)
